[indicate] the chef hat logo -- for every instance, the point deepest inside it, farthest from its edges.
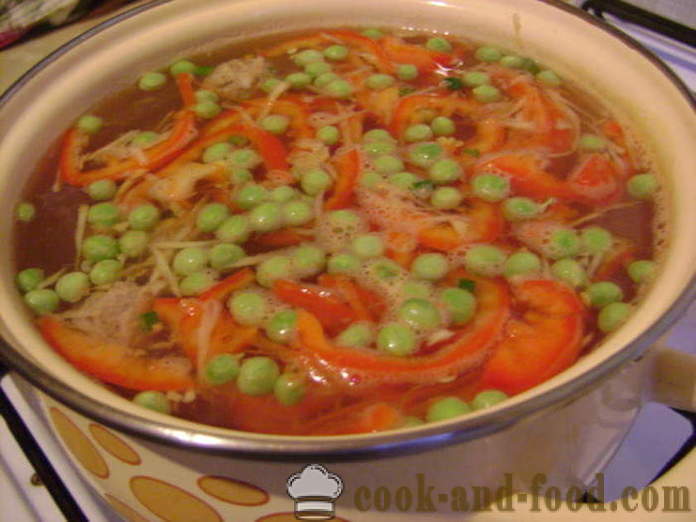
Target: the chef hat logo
(314, 491)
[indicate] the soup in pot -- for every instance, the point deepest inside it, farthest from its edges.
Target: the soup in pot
(342, 231)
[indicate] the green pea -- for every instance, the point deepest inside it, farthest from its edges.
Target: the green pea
(101, 190)
(356, 335)
(404, 180)
(344, 220)
(257, 375)
(211, 217)
(182, 66)
(438, 44)
(235, 229)
(268, 271)
(548, 78)
(425, 154)
(512, 62)
(592, 143)
(531, 66)
(396, 339)
(217, 152)
(245, 158)
(266, 217)
(372, 33)
(222, 369)
(144, 217)
(378, 82)
(247, 308)
(368, 245)
(25, 212)
(103, 215)
(336, 52)
(411, 422)
(384, 270)
(73, 286)
(151, 81)
(289, 389)
(418, 132)
(29, 279)
(485, 260)
(153, 400)
(205, 95)
(459, 303)
(98, 247)
(298, 80)
(642, 271)
(270, 84)
(282, 194)
(612, 316)
(329, 134)
(379, 148)
(133, 243)
(487, 94)
(275, 123)
(518, 208)
(307, 56)
(325, 79)
(476, 79)
(430, 266)
(596, 240)
(563, 242)
(446, 408)
(239, 176)
(224, 255)
(419, 314)
(642, 186)
(251, 195)
(190, 260)
(296, 213)
(308, 260)
(42, 301)
(315, 181)
(207, 109)
(488, 398)
(603, 293)
(420, 289)
(570, 272)
(105, 272)
(443, 126)
(488, 54)
(196, 283)
(377, 135)
(445, 171)
(144, 139)
(522, 263)
(343, 264)
(90, 124)
(315, 69)
(370, 179)
(490, 187)
(339, 88)
(281, 327)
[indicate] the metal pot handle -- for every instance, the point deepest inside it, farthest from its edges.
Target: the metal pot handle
(672, 381)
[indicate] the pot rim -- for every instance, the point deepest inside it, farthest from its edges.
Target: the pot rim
(338, 448)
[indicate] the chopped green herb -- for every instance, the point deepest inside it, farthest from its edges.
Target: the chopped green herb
(472, 152)
(424, 184)
(403, 91)
(467, 284)
(204, 70)
(148, 320)
(453, 83)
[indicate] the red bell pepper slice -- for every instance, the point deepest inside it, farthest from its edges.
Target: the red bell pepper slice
(115, 363)
(426, 60)
(155, 157)
(595, 181)
(348, 168)
(486, 224)
(333, 313)
(184, 82)
(366, 305)
(281, 238)
(466, 350)
(240, 279)
(527, 177)
(545, 340)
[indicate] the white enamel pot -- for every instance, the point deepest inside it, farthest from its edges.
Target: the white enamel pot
(151, 465)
